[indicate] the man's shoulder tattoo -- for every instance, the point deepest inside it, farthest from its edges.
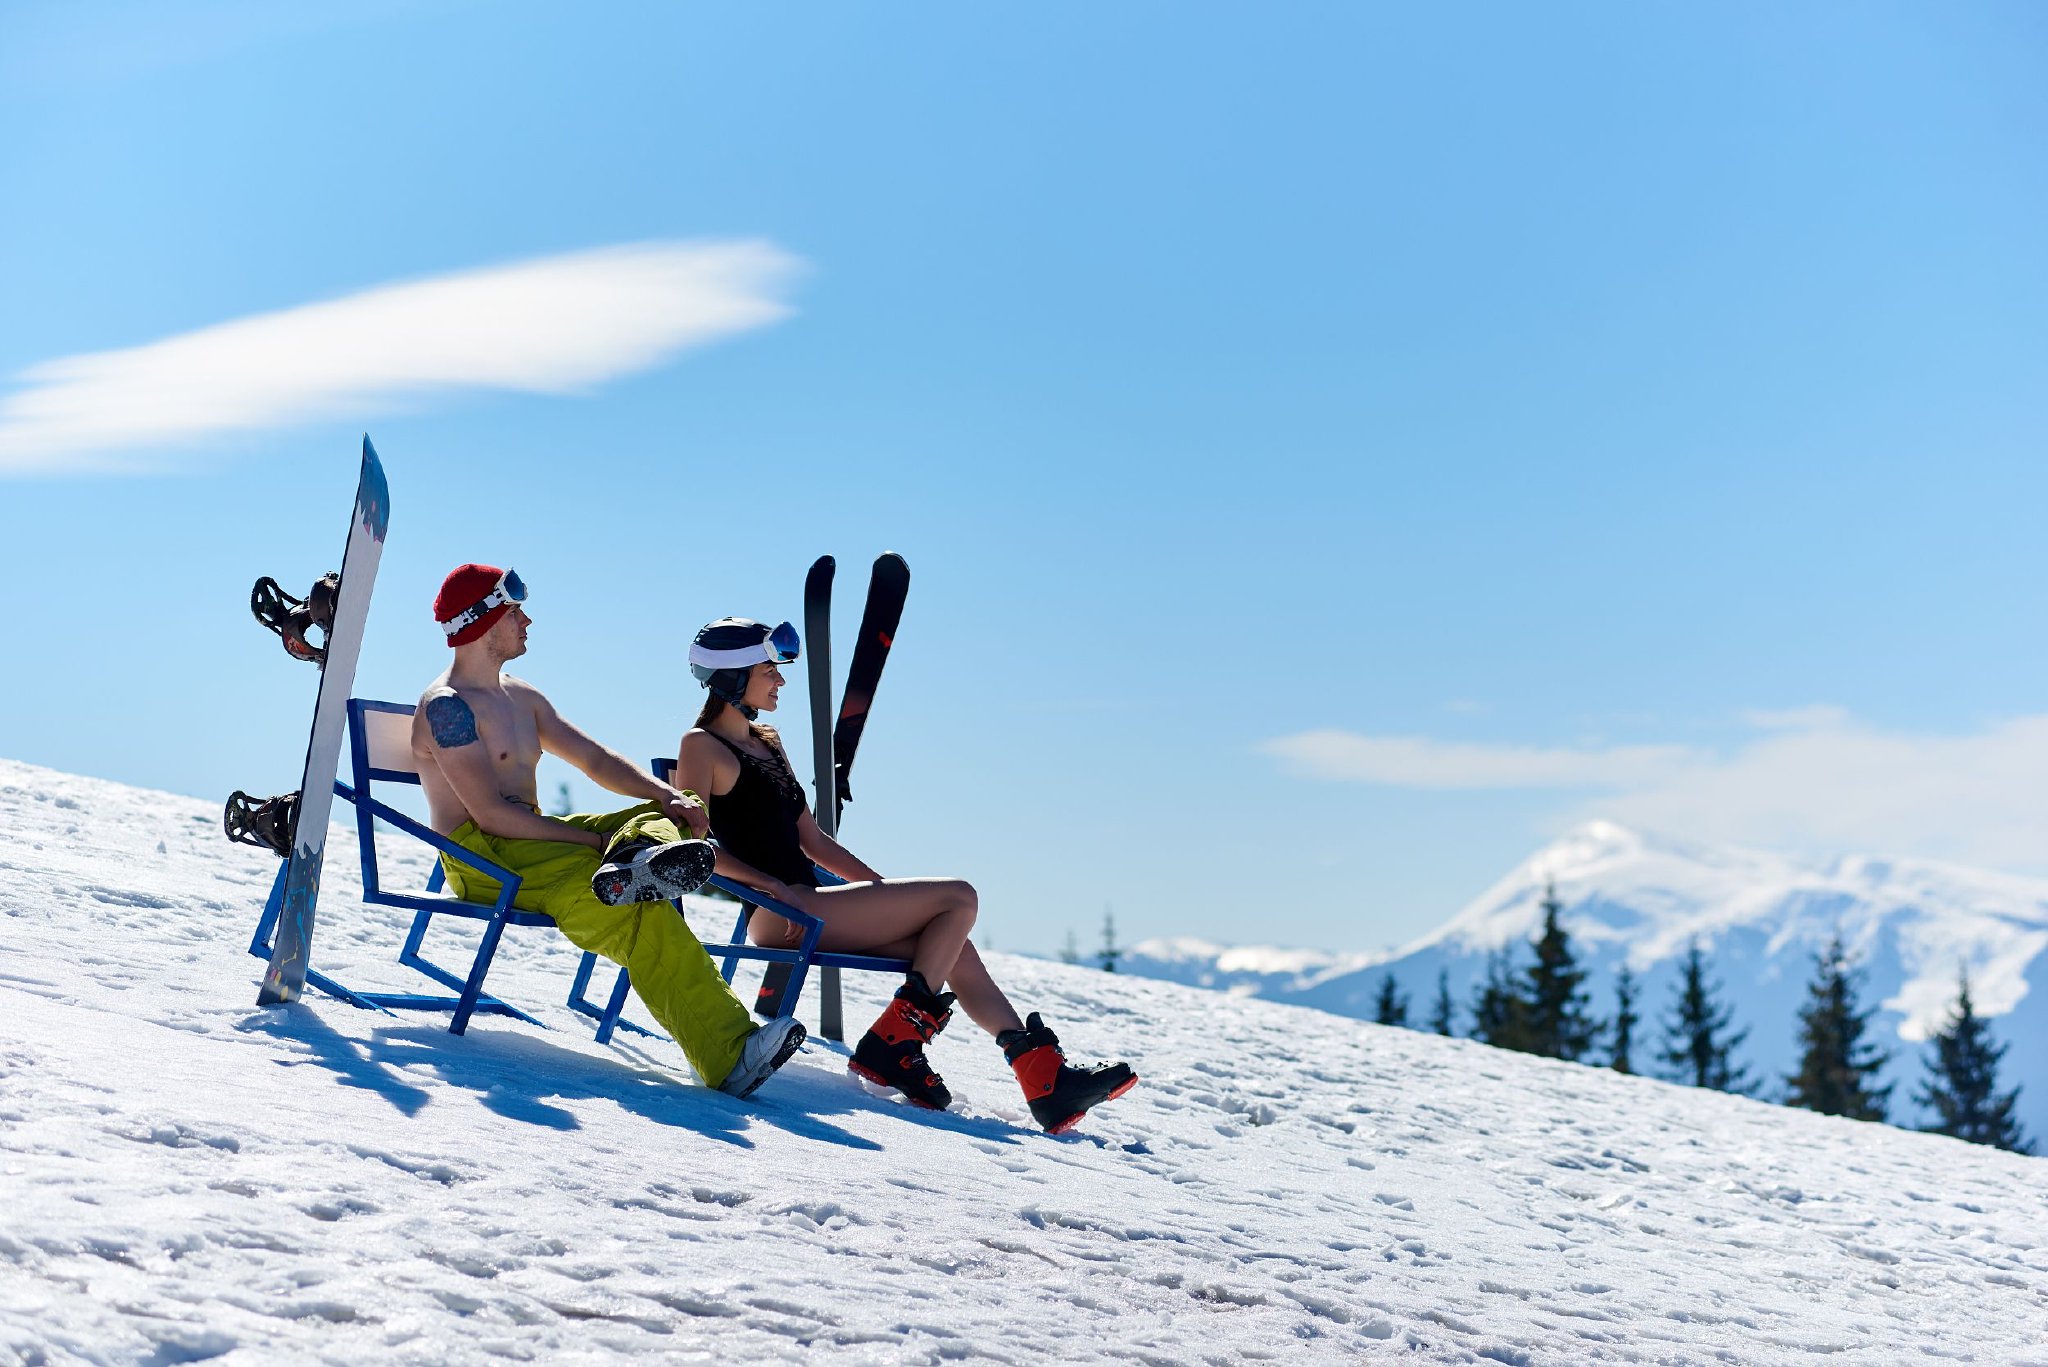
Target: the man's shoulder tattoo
(451, 721)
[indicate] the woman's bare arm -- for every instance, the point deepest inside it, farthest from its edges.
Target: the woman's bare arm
(831, 856)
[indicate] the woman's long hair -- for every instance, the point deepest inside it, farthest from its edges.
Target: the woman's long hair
(714, 704)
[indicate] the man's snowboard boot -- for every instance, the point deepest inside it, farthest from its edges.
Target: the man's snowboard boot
(1059, 1093)
(642, 871)
(891, 1053)
(768, 1048)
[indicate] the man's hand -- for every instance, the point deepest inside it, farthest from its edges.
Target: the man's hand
(688, 812)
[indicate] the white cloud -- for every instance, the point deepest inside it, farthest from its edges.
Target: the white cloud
(555, 325)
(1416, 762)
(1975, 799)
(1821, 783)
(1796, 718)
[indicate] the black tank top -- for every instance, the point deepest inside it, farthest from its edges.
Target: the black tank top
(756, 821)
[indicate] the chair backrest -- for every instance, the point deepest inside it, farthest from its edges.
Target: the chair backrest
(380, 742)
(380, 751)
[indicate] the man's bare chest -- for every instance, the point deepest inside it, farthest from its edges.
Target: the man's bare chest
(509, 733)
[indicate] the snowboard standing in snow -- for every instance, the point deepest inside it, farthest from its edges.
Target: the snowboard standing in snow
(833, 744)
(296, 825)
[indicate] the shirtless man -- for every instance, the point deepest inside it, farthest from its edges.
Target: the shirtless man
(478, 735)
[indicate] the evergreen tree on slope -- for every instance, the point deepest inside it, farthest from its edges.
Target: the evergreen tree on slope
(1625, 1018)
(1500, 1016)
(1559, 1025)
(1390, 1007)
(1442, 1013)
(1440, 1016)
(1698, 1047)
(1837, 1067)
(1962, 1081)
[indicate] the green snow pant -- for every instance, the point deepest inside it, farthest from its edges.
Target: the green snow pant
(671, 971)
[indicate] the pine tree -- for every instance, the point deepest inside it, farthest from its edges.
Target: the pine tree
(564, 805)
(1837, 1068)
(1555, 992)
(1440, 1017)
(1698, 1048)
(1070, 952)
(1625, 1019)
(1390, 1008)
(1962, 1081)
(1109, 953)
(1500, 1014)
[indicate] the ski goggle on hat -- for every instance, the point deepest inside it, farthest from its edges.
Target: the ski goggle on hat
(509, 589)
(774, 647)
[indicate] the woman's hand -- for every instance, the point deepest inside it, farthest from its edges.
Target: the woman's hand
(776, 889)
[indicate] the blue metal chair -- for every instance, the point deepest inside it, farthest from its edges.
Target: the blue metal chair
(380, 750)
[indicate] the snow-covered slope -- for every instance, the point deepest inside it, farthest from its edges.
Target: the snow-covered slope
(185, 1177)
(1638, 898)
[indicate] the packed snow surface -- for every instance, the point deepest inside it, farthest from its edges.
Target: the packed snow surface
(187, 1177)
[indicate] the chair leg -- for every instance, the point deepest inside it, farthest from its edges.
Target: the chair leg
(739, 936)
(415, 937)
(798, 971)
(581, 984)
(609, 1022)
(474, 988)
(259, 944)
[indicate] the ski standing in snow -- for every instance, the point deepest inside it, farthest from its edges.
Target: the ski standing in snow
(833, 742)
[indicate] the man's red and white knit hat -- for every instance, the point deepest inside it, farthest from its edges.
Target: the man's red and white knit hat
(461, 593)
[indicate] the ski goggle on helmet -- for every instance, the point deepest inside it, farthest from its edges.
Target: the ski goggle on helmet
(736, 643)
(509, 589)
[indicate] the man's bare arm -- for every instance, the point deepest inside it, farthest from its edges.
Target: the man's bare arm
(466, 764)
(608, 768)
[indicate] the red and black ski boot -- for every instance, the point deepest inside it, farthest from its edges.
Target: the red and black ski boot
(891, 1053)
(1059, 1093)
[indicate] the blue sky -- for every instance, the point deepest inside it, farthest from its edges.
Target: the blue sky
(1338, 447)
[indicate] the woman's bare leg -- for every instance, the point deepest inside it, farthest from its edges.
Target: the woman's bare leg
(858, 918)
(928, 917)
(980, 998)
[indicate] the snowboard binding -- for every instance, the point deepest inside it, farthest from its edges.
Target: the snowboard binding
(291, 618)
(267, 824)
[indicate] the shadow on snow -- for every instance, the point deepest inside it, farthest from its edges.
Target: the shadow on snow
(522, 1078)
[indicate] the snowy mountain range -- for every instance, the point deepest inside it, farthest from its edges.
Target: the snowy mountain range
(1636, 898)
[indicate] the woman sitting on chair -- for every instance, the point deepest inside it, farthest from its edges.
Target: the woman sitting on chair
(769, 841)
